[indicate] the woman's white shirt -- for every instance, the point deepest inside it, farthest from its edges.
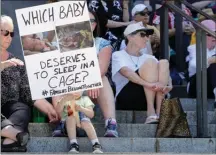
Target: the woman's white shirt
(191, 58)
(122, 59)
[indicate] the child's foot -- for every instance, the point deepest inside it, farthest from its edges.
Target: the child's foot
(111, 129)
(97, 148)
(74, 148)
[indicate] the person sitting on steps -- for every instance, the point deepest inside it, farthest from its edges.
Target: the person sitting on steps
(139, 77)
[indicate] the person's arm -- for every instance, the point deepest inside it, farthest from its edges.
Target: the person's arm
(125, 11)
(133, 77)
(114, 24)
(104, 58)
(45, 107)
(201, 4)
(10, 63)
(87, 111)
(171, 31)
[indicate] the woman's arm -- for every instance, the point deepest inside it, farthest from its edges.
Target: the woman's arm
(104, 58)
(171, 31)
(114, 24)
(125, 11)
(10, 63)
(201, 4)
(133, 77)
(44, 106)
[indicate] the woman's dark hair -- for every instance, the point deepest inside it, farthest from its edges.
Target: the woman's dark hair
(96, 32)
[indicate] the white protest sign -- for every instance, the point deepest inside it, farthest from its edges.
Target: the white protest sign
(58, 48)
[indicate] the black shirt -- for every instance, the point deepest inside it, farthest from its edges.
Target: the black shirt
(108, 9)
(14, 85)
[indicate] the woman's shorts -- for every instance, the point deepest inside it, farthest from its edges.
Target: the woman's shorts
(131, 97)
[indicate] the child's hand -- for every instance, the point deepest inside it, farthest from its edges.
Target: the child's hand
(78, 107)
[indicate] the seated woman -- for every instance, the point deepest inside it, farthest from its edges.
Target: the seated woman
(211, 57)
(104, 96)
(139, 77)
(15, 96)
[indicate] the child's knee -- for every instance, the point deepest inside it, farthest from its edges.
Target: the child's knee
(85, 124)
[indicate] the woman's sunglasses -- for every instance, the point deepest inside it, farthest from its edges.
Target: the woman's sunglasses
(6, 33)
(143, 35)
(143, 13)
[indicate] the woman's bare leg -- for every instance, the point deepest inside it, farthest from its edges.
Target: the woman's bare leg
(163, 67)
(106, 100)
(149, 72)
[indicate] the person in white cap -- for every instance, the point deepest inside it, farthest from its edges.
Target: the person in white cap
(139, 77)
(140, 13)
(211, 61)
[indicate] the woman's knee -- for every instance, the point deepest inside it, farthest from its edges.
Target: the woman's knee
(149, 64)
(149, 70)
(163, 64)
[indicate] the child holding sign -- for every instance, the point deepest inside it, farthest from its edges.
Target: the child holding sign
(76, 110)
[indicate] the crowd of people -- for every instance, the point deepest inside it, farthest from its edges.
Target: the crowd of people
(134, 77)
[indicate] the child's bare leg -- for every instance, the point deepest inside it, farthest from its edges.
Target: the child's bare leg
(71, 131)
(71, 127)
(89, 129)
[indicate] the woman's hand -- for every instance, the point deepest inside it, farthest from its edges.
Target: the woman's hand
(10, 63)
(155, 86)
(166, 89)
(52, 115)
(93, 93)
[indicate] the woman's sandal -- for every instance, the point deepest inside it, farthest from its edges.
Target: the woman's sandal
(151, 120)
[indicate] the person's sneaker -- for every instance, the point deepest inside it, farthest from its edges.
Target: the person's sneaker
(111, 129)
(59, 130)
(74, 148)
(97, 148)
(22, 138)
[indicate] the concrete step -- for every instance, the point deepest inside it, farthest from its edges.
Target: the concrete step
(140, 117)
(189, 104)
(147, 145)
(125, 130)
